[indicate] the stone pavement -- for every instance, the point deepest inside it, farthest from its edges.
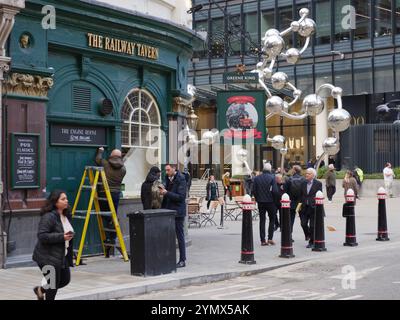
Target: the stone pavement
(213, 256)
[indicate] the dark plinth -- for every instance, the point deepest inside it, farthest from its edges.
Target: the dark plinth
(152, 242)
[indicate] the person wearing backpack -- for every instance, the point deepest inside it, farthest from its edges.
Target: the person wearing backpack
(150, 191)
(293, 187)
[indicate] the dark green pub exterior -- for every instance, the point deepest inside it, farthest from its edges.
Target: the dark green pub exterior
(102, 77)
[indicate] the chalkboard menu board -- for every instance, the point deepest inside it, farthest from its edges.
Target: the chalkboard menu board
(25, 161)
(67, 134)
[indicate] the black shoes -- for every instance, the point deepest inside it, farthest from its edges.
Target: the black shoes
(310, 246)
(181, 264)
(39, 293)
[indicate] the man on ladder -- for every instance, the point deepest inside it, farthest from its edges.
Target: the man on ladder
(115, 172)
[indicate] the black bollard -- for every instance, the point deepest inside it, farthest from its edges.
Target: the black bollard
(247, 253)
(382, 223)
(349, 214)
(286, 228)
(221, 223)
(319, 231)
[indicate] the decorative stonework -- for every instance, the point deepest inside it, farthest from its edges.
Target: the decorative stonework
(181, 105)
(28, 85)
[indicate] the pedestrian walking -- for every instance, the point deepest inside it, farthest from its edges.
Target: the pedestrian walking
(188, 180)
(388, 176)
(359, 176)
(212, 191)
(264, 189)
(349, 182)
(294, 188)
(248, 183)
(226, 181)
(115, 171)
(54, 250)
(150, 190)
(307, 214)
(174, 198)
(330, 182)
(281, 190)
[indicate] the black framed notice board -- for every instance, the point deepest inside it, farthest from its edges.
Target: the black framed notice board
(25, 160)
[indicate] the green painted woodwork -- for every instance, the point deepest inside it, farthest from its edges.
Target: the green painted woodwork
(64, 54)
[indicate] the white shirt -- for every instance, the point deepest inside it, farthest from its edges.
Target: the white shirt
(67, 227)
(388, 174)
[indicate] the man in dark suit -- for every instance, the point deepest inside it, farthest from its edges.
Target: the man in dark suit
(175, 199)
(309, 190)
(265, 190)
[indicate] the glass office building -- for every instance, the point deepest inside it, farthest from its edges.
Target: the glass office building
(356, 47)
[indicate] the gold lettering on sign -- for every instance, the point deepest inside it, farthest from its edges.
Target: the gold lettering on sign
(122, 46)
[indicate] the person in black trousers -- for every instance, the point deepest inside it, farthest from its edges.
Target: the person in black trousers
(212, 191)
(174, 198)
(265, 190)
(294, 188)
(310, 188)
(54, 250)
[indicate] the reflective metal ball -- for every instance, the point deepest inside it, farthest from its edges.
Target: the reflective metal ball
(278, 142)
(242, 155)
(274, 105)
(304, 12)
(273, 45)
(295, 25)
(339, 120)
(337, 92)
(292, 55)
(313, 104)
(307, 27)
(279, 80)
(271, 32)
(331, 146)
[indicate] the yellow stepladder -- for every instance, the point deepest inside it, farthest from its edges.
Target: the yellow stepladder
(93, 174)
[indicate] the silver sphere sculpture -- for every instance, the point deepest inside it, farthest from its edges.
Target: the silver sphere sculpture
(274, 105)
(313, 104)
(292, 55)
(331, 146)
(279, 80)
(273, 45)
(278, 142)
(339, 120)
(307, 27)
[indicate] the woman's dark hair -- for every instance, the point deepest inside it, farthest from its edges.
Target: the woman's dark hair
(51, 202)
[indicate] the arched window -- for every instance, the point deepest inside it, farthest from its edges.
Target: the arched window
(141, 120)
(141, 140)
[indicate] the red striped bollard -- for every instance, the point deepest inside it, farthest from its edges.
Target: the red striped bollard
(349, 214)
(382, 223)
(286, 228)
(319, 231)
(247, 253)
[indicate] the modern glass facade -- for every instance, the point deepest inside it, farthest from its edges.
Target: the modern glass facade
(356, 46)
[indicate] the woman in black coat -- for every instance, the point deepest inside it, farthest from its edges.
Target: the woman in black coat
(54, 250)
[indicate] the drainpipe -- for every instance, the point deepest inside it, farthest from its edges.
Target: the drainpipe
(8, 10)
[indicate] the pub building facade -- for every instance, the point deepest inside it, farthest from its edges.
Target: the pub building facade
(92, 77)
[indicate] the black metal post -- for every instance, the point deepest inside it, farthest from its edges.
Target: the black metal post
(286, 228)
(382, 222)
(247, 252)
(349, 213)
(319, 231)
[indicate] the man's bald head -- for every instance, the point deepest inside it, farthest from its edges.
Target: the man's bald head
(116, 153)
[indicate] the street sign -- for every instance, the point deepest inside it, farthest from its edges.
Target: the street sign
(237, 77)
